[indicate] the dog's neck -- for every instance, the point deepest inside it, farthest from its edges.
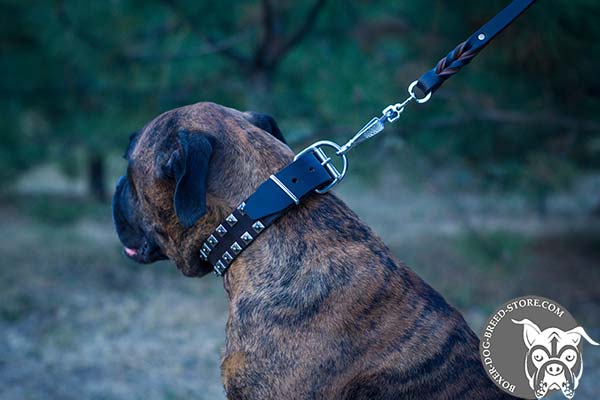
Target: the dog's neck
(311, 248)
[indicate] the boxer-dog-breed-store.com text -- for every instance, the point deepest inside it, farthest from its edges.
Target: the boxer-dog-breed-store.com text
(318, 306)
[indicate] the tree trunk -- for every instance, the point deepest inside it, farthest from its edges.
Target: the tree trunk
(261, 97)
(96, 177)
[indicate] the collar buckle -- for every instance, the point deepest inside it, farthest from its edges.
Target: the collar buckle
(327, 162)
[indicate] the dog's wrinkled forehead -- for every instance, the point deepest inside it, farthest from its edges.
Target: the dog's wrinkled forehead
(229, 126)
(159, 132)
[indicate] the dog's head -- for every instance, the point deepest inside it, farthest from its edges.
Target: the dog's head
(186, 170)
(553, 360)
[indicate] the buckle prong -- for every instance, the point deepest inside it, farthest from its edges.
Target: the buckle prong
(326, 161)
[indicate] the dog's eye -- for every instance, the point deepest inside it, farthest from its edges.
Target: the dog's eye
(538, 355)
(570, 355)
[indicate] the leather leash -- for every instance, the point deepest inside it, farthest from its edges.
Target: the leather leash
(462, 54)
(313, 170)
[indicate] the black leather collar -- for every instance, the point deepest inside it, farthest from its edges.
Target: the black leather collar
(283, 190)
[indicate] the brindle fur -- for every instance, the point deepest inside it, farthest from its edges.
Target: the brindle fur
(318, 306)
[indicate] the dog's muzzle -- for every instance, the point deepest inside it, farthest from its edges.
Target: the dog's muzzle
(139, 245)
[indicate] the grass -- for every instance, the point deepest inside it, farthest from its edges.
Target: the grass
(75, 313)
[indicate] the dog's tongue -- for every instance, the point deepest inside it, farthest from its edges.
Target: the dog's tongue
(130, 252)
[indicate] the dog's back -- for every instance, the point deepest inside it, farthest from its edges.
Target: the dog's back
(327, 312)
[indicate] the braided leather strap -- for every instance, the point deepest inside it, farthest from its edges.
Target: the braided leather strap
(462, 54)
(455, 60)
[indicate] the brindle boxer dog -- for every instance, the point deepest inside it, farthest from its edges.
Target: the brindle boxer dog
(318, 306)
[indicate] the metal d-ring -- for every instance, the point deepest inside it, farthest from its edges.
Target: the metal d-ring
(412, 94)
(326, 161)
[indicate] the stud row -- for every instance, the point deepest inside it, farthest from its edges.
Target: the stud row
(228, 256)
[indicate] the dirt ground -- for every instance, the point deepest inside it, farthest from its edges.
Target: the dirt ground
(77, 320)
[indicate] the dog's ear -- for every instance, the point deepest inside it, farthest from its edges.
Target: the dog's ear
(576, 334)
(530, 331)
(188, 165)
(266, 123)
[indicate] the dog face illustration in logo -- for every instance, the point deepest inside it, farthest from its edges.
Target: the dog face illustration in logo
(553, 360)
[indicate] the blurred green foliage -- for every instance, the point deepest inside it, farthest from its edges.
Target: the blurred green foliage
(58, 210)
(84, 75)
(497, 249)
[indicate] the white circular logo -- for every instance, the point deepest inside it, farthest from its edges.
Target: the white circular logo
(531, 347)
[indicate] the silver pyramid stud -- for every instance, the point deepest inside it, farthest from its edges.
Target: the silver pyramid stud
(203, 255)
(236, 248)
(206, 248)
(220, 268)
(212, 240)
(231, 220)
(227, 258)
(221, 230)
(258, 226)
(246, 237)
(241, 207)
